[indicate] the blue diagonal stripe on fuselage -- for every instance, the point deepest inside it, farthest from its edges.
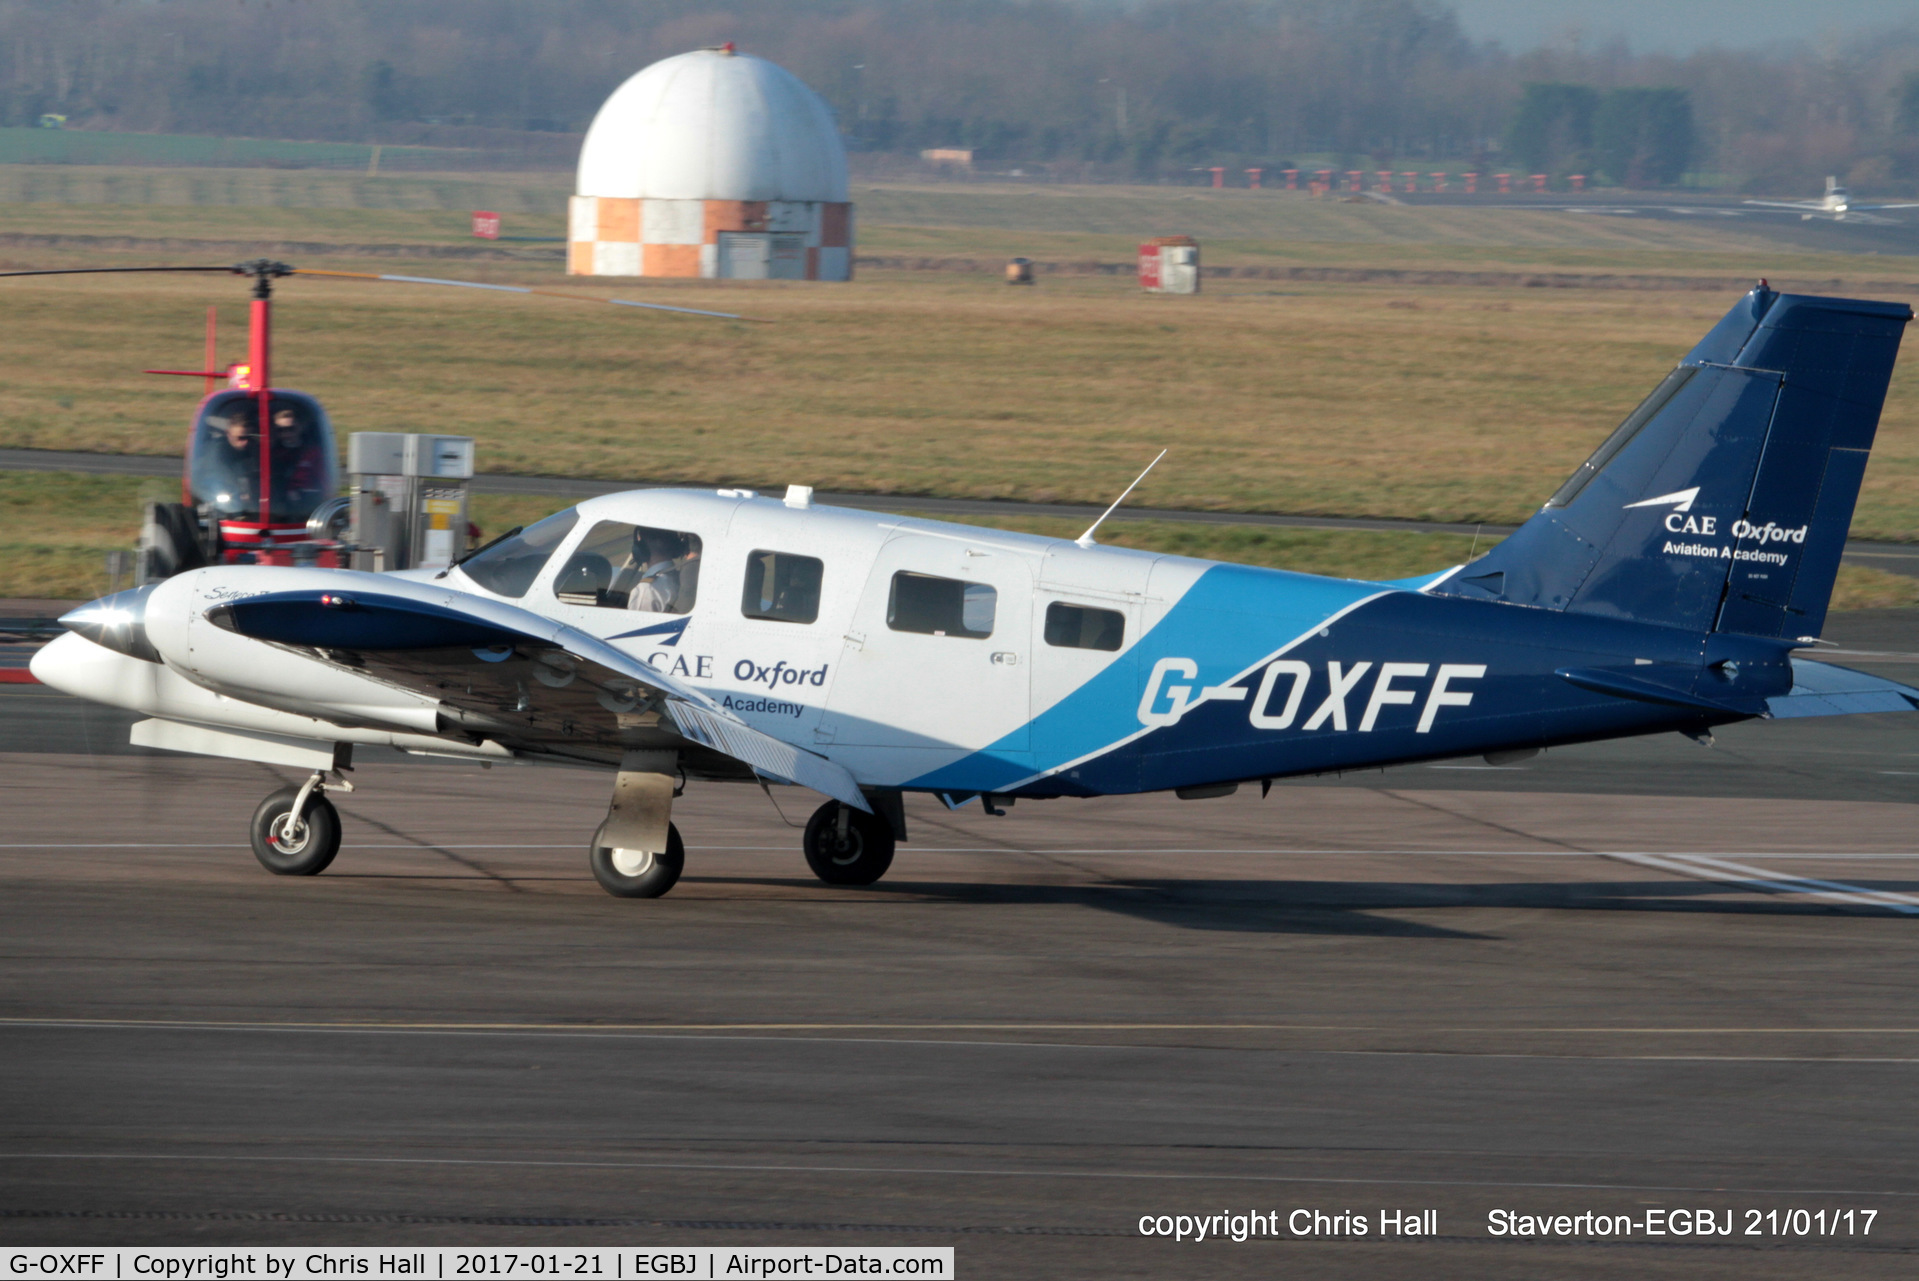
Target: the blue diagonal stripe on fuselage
(1231, 618)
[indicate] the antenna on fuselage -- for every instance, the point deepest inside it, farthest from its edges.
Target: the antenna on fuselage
(1086, 539)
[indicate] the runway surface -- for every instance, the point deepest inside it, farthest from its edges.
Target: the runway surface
(1892, 232)
(1619, 977)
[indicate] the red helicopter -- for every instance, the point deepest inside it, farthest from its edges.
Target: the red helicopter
(260, 463)
(261, 483)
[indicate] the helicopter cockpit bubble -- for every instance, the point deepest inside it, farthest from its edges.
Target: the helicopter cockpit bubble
(223, 457)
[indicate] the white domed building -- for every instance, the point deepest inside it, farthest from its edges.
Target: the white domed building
(712, 163)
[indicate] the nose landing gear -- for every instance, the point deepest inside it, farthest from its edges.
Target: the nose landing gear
(636, 873)
(296, 830)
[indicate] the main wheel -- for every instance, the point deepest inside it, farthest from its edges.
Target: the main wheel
(859, 856)
(311, 845)
(636, 873)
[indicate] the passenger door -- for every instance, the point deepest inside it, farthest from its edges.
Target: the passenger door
(923, 665)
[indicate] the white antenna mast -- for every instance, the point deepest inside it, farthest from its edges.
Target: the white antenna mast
(1086, 539)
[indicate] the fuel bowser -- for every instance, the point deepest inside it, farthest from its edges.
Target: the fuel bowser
(409, 499)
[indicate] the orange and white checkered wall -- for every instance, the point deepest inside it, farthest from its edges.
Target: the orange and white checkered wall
(622, 236)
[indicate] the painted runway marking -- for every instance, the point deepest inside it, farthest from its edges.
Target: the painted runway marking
(1705, 868)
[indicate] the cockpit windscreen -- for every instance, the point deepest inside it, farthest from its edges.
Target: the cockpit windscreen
(224, 457)
(510, 565)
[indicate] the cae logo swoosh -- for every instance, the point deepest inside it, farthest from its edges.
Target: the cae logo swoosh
(1681, 500)
(669, 632)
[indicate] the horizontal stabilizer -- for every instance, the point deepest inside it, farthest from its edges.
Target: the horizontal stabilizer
(1821, 689)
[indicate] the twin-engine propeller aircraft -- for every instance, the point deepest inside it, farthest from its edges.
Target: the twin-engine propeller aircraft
(1836, 204)
(675, 634)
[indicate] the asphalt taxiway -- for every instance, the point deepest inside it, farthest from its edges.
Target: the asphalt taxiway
(1894, 233)
(1617, 977)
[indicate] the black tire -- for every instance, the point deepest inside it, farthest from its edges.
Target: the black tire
(630, 874)
(859, 858)
(170, 541)
(315, 841)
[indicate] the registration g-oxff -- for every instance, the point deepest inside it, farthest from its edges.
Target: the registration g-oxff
(59, 1263)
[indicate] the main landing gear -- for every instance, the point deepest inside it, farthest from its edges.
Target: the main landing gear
(845, 846)
(637, 851)
(296, 830)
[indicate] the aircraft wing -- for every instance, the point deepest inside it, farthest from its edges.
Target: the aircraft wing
(1904, 206)
(1812, 206)
(523, 680)
(1821, 689)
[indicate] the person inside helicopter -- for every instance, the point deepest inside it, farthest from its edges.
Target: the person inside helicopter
(227, 471)
(300, 481)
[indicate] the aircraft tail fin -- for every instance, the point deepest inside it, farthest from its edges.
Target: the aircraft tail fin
(1722, 503)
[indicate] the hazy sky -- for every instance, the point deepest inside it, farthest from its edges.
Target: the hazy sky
(1676, 26)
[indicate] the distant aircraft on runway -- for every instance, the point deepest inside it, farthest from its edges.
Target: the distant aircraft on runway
(1835, 204)
(673, 634)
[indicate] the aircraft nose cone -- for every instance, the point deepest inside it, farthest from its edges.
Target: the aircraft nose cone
(117, 622)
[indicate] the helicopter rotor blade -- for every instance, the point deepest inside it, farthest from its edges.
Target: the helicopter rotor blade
(227, 270)
(523, 289)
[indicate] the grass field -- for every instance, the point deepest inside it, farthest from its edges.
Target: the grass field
(1452, 403)
(26, 146)
(1050, 223)
(56, 529)
(1457, 404)
(81, 186)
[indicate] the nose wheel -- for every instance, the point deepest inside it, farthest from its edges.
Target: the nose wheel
(845, 846)
(296, 831)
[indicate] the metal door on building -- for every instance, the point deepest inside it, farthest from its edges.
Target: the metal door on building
(762, 255)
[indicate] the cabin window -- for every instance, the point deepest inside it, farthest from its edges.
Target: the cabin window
(782, 587)
(509, 565)
(636, 567)
(940, 606)
(1083, 627)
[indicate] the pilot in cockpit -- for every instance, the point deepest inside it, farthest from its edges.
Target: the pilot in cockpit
(235, 430)
(655, 578)
(235, 450)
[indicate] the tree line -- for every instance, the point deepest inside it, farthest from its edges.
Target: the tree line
(1091, 89)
